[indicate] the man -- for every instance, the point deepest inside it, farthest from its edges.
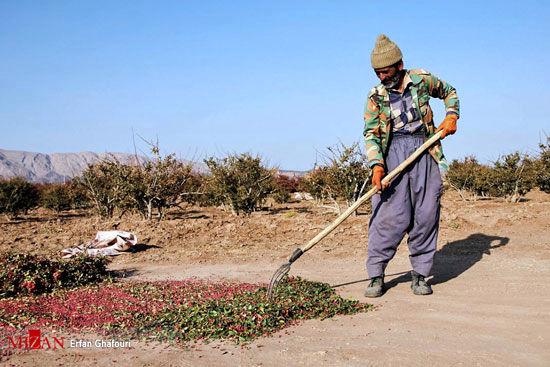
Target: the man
(398, 119)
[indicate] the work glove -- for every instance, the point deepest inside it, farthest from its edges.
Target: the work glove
(378, 173)
(448, 125)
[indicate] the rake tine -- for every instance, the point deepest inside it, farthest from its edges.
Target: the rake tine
(276, 279)
(281, 272)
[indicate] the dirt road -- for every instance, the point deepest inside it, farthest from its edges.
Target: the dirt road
(490, 307)
(488, 310)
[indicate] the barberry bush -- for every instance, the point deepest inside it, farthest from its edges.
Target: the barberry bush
(543, 167)
(512, 176)
(56, 197)
(290, 184)
(284, 186)
(16, 196)
(145, 185)
(159, 183)
(344, 175)
(240, 181)
(315, 183)
(469, 178)
(105, 183)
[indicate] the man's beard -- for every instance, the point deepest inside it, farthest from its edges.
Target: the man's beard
(394, 81)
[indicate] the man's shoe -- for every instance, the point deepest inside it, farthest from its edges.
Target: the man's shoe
(376, 287)
(419, 285)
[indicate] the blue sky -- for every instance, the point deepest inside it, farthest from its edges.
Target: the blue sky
(281, 79)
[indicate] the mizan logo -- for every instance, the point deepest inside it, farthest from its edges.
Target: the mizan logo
(35, 340)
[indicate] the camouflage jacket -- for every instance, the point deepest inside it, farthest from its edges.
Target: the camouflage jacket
(423, 85)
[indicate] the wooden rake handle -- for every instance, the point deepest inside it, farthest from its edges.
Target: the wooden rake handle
(315, 240)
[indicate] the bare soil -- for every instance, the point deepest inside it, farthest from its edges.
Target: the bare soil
(491, 281)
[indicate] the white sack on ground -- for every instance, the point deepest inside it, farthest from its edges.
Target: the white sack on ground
(303, 196)
(106, 243)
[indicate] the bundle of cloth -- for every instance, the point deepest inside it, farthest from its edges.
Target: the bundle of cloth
(105, 243)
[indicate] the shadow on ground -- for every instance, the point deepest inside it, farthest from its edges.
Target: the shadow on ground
(125, 273)
(451, 260)
(140, 247)
(456, 257)
(19, 220)
(187, 214)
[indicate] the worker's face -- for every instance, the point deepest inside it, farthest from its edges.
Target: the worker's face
(390, 76)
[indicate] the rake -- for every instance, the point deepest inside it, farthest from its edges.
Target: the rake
(285, 268)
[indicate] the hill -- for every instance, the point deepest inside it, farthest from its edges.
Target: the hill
(59, 167)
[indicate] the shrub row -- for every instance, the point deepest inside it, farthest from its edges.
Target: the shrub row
(242, 182)
(342, 176)
(511, 176)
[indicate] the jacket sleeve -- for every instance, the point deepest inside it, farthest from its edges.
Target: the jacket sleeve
(439, 89)
(372, 131)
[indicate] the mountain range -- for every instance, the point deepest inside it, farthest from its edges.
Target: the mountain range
(59, 167)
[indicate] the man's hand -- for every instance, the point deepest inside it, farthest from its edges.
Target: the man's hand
(448, 125)
(378, 173)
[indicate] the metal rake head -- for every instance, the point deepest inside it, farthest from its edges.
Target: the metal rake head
(276, 279)
(281, 273)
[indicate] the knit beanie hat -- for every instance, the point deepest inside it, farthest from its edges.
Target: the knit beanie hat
(385, 52)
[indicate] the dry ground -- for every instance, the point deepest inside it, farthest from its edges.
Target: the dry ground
(491, 280)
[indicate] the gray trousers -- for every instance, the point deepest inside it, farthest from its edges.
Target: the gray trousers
(409, 205)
